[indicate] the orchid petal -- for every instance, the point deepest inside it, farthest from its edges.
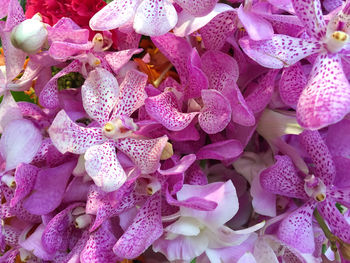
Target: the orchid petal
(224, 150)
(14, 16)
(9, 111)
(68, 136)
(63, 51)
(197, 7)
(117, 60)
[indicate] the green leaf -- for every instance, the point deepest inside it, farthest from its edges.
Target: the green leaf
(23, 4)
(21, 96)
(193, 260)
(340, 207)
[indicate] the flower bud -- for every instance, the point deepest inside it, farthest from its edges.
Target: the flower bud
(30, 35)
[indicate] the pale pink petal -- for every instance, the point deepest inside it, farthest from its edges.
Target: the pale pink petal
(132, 94)
(279, 51)
(9, 111)
(116, 60)
(144, 153)
(67, 30)
(257, 27)
(68, 136)
(114, 15)
(296, 229)
(224, 194)
(326, 97)
(224, 150)
(3, 11)
(197, 7)
(144, 230)
(310, 14)
(19, 143)
(63, 51)
(99, 94)
(215, 33)
(292, 83)
(155, 18)
(264, 203)
(15, 15)
(164, 109)
(216, 112)
(103, 167)
(49, 188)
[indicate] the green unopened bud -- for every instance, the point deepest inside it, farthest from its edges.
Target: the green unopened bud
(30, 35)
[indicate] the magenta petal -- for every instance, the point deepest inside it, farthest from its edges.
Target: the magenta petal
(181, 167)
(317, 149)
(197, 79)
(144, 153)
(296, 229)
(144, 230)
(99, 94)
(216, 112)
(224, 150)
(326, 98)
(164, 109)
(155, 18)
(194, 202)
(310, 14)
(279, 51)
(103, 167)
(25, 176)
(132, 94)
(282, 178)
(68, 136)
(197, 7)
(19, 143)
(291, 85)
(49, 188)
(98, 248)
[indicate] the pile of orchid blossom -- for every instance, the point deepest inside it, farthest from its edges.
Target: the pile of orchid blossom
(175, 131)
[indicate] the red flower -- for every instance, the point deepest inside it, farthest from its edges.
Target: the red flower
(80, 11)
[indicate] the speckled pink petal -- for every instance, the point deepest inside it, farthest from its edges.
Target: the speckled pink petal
(15, 15)
(257, 27)
(103, 167)
(340, 195)
(9, 110)
(116, 60)
(197, 80)
(195, 175)
(224, 150)
(55, 233)
(4, 4)
(63, 51)
(215, 33)
(144, 153)
(338, 138)
(197, 7)
(292, 83)
(144, 230)
(326, 97)
(177, 50)
(317, 149)
(164, 109)
(330, 5)
(113, 15)
(68, 136)
(279, 51)
(67, 33)
(99, 93)
(49, 188)
(282, 178)
(310, 14)
(132, 94)
(25, 176)
(338, 224)
(155, 18)
(216, 112)
(296, 229)
(48, 97)
(19, 143)
(262, 94)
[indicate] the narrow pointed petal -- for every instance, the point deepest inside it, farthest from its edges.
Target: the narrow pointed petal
(291, 85)
(144, 230)
(197, 79)
(317, 149)
(132, 94)
(19, 143)
(155, 18)
(326, 97)
(279, 51)
(310, 14)
(99, 93)
(338, 224)
(68, 136)
(282, 178)
(25, 176)
(49, 189)
(144, 153)
(216, 112)
(103, 167)
(224, 150)
(164, 109)
(113, 15)
(9, 111)
(197, 7)
(117, 60)
(296, 229)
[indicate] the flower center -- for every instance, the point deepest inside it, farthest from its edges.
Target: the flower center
(315, 188)
(337, 41)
